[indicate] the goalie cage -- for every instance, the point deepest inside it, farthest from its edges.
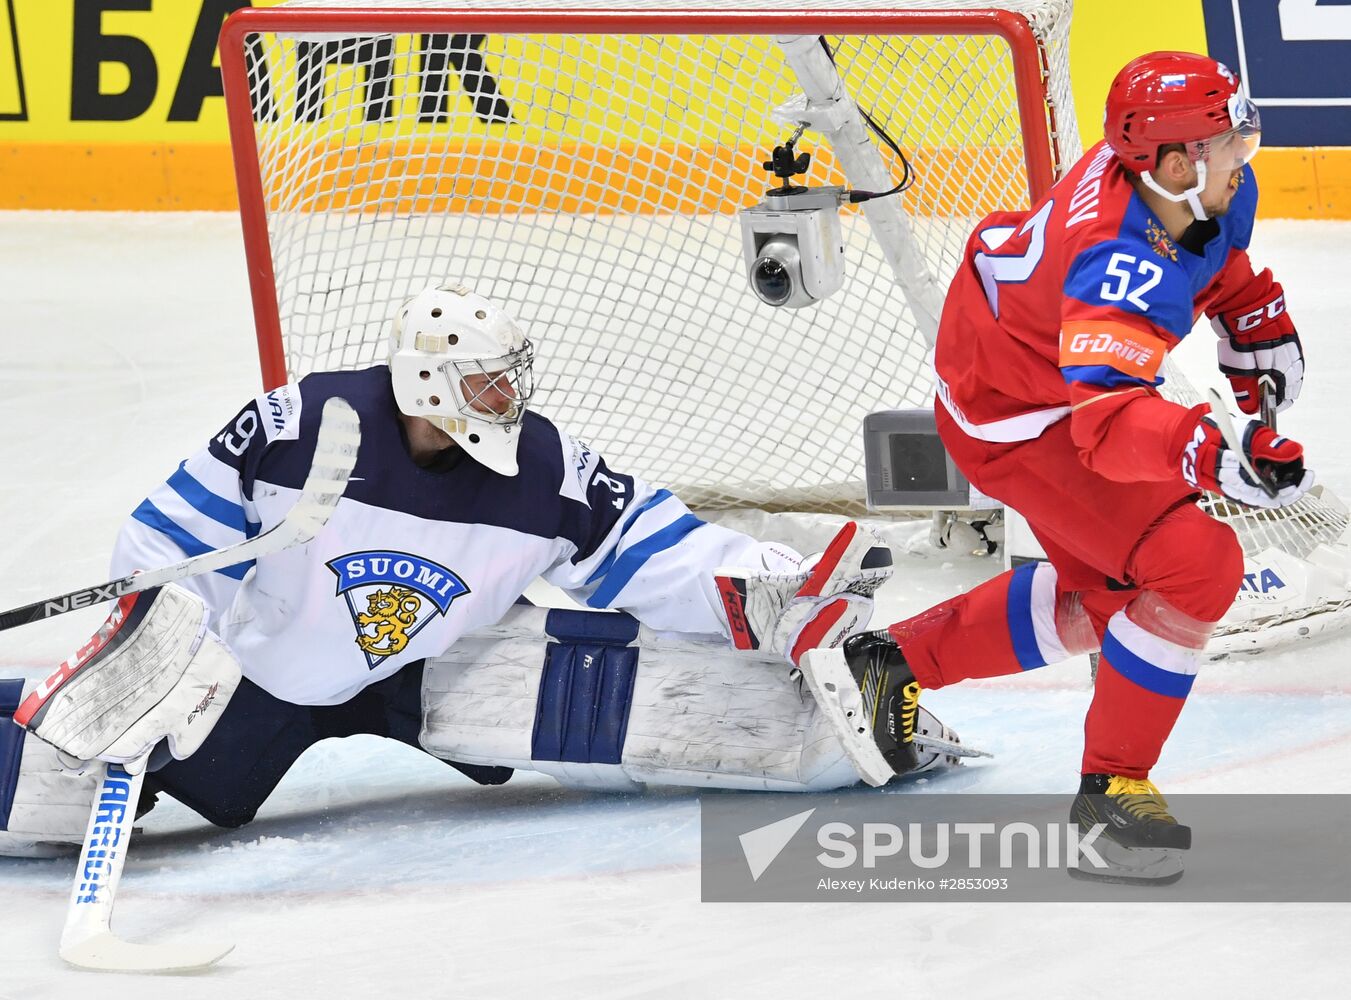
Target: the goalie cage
(584, 164)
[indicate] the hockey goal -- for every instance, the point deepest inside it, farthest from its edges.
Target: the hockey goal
(584, 165)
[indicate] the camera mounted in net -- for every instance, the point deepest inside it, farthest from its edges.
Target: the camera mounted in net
(792, 240)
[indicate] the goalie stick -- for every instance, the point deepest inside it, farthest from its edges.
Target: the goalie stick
(87, 940)
(335, 455)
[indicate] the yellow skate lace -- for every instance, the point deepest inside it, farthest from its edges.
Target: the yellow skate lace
(1139, 797)
(909, 710)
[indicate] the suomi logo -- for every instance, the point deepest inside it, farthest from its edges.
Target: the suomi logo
(391, 596)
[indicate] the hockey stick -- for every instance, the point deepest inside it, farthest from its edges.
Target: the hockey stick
(87, 940)
(335, 455)
(1266, 400)
(1220, 414)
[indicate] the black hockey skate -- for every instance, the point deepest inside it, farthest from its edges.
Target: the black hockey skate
(890, 696)
(1140, 840)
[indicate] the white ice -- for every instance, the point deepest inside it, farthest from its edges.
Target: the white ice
(377, 871)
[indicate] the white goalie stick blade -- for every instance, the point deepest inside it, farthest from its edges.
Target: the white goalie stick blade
(1220, 414)
(335, 455)
(106, 952)
(839, 698)
(87, 940)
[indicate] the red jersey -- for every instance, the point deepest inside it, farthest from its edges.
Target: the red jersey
(1068, 309)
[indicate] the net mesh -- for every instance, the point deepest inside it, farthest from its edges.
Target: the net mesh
(590, 183)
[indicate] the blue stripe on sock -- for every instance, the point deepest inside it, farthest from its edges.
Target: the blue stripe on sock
(1144, 673)
(202, 500)
(609, 560)
(636, 555)
(150, 515)
(1021, 629)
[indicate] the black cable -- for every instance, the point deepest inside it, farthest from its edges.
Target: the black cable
(908, 176)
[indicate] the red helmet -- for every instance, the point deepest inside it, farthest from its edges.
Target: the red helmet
(1168, 97)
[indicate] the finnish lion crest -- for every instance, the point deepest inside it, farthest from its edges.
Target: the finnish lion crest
(389, 614)
(391, 596)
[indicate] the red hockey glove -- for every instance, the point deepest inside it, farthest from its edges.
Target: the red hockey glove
(1258, 338)
(1209, 464)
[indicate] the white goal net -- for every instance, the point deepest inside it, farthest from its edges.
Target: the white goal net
(590, 179)
(584, 165)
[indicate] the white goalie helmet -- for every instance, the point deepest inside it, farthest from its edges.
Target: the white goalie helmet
(461, 362)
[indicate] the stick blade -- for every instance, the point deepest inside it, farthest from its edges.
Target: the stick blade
(105, 952)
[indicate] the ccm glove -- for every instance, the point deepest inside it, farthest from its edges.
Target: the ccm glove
(1210, 464)
(154, 672)
(828, 600)
(1258, 338)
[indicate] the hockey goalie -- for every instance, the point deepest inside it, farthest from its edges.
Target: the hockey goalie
(400, 618)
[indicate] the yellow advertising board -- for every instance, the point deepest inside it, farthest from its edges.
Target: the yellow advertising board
(116, 104)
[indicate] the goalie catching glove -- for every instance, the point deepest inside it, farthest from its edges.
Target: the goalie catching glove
(1210, 464)
(820, 606)
(153, 672)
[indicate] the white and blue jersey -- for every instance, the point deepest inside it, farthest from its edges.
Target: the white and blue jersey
(412, 557)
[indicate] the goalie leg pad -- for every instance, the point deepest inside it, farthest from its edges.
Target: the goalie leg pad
(697, 714)
(44, 808)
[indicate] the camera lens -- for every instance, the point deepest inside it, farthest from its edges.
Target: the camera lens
(772, 281)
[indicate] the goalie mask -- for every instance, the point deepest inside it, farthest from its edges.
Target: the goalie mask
(461, 362)
(1178, 97)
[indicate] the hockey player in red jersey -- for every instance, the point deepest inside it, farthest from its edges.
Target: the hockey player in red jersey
(1047, 362)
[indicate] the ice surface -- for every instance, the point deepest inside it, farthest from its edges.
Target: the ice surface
(376, 871)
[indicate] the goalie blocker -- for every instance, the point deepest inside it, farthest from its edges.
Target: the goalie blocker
(590, 698)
